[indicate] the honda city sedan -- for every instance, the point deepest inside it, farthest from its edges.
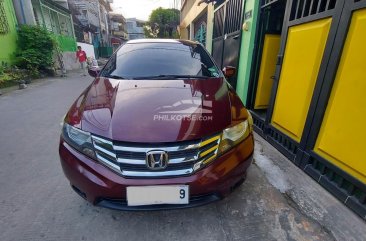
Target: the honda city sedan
(159, 128)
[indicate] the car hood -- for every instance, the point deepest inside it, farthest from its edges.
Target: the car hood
(153, 110)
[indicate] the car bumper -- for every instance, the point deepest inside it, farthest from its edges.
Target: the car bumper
(101, 186)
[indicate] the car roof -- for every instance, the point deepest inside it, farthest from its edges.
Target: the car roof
(177, 41)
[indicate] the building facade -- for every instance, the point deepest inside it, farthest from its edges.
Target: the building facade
(85, 16)
(118, 28)
(196, 22)
(135, 28)
(8, 31)
(54, 17)
(104, 9)
(91, 20)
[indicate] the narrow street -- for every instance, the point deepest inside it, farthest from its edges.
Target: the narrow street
(37, 202)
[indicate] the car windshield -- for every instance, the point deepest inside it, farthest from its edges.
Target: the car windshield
(160, 60)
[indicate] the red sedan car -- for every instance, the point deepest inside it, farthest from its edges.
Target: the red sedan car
(159, 128)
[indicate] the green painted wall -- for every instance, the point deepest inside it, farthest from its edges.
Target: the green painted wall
(66, 43)
(8, 40)
(246, 50)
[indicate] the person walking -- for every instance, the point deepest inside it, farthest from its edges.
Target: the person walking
(81, 57)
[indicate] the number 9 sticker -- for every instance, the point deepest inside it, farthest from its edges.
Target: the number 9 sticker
(182, 193)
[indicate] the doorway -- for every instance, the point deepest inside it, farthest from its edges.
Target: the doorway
(265, 57)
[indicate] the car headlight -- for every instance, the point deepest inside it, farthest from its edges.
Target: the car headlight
(78, 139)
(228, 139)
(234, 135)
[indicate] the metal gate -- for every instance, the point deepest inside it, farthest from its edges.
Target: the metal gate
(317, 105)
(332, 156)
(228, 19)
(265, 54)
(308, 35)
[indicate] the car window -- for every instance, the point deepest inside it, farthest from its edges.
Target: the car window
(138, 60)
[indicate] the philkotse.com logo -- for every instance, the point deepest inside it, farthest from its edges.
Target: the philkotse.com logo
(194, 110)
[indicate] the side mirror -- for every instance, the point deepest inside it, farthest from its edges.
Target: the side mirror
(229, 71)
(94, 71)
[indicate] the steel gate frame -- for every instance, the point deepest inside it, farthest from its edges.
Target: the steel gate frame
(284, 143)
(235, 35)
(219, 37)
(301, 153)
(317, 167)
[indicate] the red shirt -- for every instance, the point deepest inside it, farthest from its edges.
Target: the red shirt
(81, 55)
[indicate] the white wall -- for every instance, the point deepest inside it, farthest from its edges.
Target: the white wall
(69, 61)
(88, 48)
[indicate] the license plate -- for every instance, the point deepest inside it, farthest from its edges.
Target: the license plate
(162, 194)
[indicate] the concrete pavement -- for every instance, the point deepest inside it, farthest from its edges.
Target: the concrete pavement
(277, 202)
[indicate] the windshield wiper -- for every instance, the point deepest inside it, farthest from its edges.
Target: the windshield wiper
(164, 76)
(113, 76)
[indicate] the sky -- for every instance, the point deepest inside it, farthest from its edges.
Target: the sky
(140, 9)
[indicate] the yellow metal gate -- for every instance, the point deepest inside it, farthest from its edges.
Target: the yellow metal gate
(317, 108)
(271, 47)
(341, 139)
(306, 41)
(303, 54)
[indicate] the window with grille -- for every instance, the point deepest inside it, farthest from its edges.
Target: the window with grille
(201, 34)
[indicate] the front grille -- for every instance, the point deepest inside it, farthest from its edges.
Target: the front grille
(129, 159)
(172, 167)
(142, 155)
